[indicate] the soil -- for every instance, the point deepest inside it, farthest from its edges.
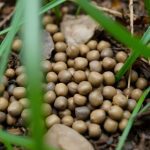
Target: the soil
(139, 137)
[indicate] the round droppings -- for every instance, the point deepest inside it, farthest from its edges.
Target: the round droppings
(84, 88)
(97, 116)
(67, 120)
(80, 126)
(94, 130)
(3, 104)
(15, 108)
(120, 100)
(109, 78)
(51, 120)
(19, 92)
(109, 92)
(61, 89)
(110, 125)
(115, 112)
(60, 103)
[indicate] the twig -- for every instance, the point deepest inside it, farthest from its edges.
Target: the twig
(110, 11)
(1, 5)
(132, 32)
(131, 16)
(6, 19)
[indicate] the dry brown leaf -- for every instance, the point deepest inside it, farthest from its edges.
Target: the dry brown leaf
(78, 29)
(48, 45)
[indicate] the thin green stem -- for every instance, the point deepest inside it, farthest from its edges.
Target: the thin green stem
(78, 10)
(123, 137)
(57, 13)
(145, 108)
(130, 60)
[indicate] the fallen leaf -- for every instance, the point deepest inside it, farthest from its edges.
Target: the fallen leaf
(78, 29)
(48, 45)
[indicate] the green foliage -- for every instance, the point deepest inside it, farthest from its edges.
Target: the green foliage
(132, 119)
(147, 6)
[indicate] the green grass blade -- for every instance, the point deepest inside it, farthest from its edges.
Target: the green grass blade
(146, 37)
(134, 55)
(5, 47)
(115, 29)
(51, 5)
(130, 60)
(17, 140)
(44, 9)
(5, 31)
(8, 145)
(32, 60)
(125, 133)
(145, 108)
(147, 6)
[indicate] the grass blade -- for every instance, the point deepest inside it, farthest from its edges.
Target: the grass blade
(17, 140)
(51, 5)
(8, 145)
(131, 120)
(144, 109)
(7, 42)
(147, 6)
(32, 61)
(44, 9)
(146, 37)
(132, 58)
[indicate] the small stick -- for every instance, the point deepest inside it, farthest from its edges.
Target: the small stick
(110, 11)
(131, 16)
(6, 19)
(1, 5)
(132, 32)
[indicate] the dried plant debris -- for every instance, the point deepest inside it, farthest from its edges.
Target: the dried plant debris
(78, 30)
(48, 45)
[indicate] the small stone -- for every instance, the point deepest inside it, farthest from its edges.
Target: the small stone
(64, 138)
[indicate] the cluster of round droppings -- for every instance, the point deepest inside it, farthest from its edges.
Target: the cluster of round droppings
(80, 90)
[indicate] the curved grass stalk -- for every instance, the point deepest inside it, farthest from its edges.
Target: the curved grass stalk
(44, 9)
(17, 140)
(126, 131)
